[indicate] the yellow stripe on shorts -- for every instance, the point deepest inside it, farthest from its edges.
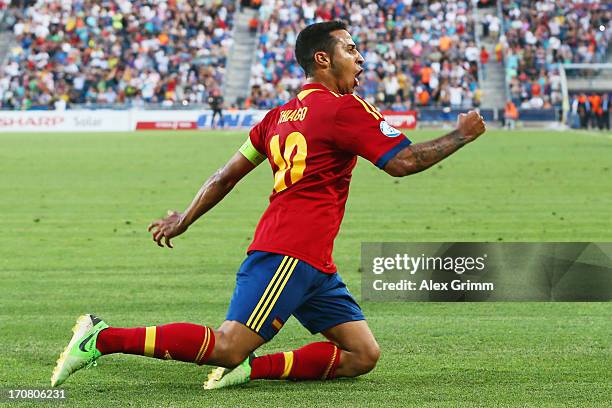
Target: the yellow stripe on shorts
(263, 297)
(270, 305)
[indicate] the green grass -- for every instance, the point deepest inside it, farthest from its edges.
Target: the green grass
(74, 213)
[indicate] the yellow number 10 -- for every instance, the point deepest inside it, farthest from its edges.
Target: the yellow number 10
(285, 162)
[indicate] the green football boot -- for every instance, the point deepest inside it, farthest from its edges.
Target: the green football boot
(81, 351)
(225, 377)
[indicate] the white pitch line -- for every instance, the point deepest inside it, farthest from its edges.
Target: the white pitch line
(596, 134)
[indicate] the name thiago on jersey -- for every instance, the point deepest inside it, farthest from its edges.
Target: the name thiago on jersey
(293, 115)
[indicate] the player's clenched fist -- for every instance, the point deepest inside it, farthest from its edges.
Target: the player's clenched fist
(471, 125)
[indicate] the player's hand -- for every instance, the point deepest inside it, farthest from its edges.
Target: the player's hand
(471, 125)
(167, 228)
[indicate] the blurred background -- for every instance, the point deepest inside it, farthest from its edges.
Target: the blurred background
(520, 62)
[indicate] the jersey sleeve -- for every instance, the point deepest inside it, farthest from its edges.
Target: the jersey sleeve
(257, 135)
(361, 129)
(254, 148)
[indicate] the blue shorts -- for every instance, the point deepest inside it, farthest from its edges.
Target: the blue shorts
(272, 287)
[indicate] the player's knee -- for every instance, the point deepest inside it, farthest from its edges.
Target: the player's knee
(367, 358)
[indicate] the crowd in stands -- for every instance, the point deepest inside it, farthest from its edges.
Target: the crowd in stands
(540, 34)
(417, 53)
(116, 51)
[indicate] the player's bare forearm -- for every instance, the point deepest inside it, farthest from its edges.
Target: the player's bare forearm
(209, 195)
(214, 190)
(418, 157)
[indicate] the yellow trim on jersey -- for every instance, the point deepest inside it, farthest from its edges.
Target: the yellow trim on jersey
(288, 364)
(250, 153)
(278, 272)
(376, 115)
(306, 92)
(270, 305)
(374, 109)
(149, 345)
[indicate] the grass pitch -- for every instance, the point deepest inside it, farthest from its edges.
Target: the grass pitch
(74, 211)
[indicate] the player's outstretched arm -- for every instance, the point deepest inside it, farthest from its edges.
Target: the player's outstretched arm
(421, 156)
(214, 189)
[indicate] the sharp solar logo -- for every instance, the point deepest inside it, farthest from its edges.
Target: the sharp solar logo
(389, 130)
(33, 120)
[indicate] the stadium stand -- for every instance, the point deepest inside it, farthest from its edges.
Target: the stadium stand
(120, 52)
(423, 55)
(417, 53)
(543, 33)
(116, 52)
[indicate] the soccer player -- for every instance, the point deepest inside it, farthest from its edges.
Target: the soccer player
(311, 144)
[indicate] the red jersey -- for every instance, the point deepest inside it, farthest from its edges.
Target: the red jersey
(312, 143)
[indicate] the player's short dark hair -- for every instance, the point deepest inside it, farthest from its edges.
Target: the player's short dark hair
(314, 38)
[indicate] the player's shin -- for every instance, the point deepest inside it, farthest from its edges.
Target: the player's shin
(176, 341)
(315, 361)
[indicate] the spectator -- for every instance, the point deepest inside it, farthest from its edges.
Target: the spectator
(455, 96)
(510, 115)
(253, 24)
(584, 111)
(596, 109)
(423, 96)
(606, 106)
(391, 85)
(494, 25)
(484, 60)
(499, 50)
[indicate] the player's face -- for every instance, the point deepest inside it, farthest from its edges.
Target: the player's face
(345, 62)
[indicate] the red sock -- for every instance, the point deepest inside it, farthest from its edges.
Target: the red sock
(315, 361)
(177, 341)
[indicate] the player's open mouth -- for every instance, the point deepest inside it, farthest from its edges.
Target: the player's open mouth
(356, 77)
